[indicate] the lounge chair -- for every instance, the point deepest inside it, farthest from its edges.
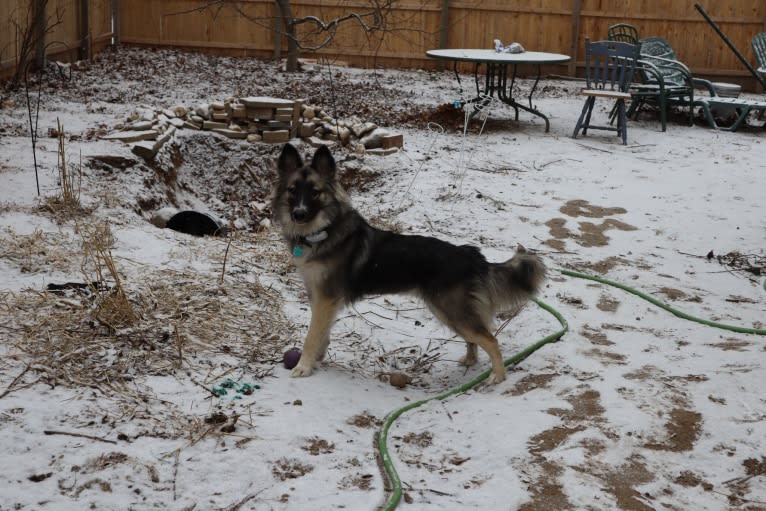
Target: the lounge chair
(665, 81)
(759, 48)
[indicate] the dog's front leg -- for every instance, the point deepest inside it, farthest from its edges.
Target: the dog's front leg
(323, 312)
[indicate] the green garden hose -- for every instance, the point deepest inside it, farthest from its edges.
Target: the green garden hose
(388, 465)
(654, 301)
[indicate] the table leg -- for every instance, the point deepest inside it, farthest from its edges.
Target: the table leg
(506, 95)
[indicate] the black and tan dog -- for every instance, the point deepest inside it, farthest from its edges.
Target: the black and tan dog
(342, 259)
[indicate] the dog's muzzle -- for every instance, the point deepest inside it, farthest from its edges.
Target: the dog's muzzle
(300, 215)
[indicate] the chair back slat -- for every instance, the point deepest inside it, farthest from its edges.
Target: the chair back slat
(610, 65)
(759, 48)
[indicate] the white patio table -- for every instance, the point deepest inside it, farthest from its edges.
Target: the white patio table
(496, 80)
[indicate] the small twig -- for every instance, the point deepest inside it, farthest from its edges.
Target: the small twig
(176, 463)
(204, 387)
(13, 383)
(225, 257)
(179, 345)
(245, 500)
(79, 435)
(593, 148)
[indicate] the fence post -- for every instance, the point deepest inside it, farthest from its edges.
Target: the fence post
(84, 30)
(277, 33)
(572, 66)
(39, 30)
(443, 29)
(115, 22)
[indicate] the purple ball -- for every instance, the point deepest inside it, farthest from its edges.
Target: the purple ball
(291, 358)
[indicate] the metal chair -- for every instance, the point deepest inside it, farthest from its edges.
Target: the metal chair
(622, 32)
(664, 81)
(609, 69)
(759, 48)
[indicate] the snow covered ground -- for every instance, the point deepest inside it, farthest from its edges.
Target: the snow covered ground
(633, 409)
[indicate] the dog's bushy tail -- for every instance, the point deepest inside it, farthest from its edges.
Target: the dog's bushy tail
(516, 280)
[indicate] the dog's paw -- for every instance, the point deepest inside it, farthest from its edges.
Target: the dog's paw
(467, 360)
(301, 370)
(495, 378)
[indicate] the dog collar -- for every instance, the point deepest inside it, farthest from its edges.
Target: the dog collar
(310, 239)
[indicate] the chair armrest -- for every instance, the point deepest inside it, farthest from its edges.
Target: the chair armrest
(651, 74)
(672, 71)
(706, 84)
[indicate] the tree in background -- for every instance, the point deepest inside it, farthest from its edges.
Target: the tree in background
(312, 33)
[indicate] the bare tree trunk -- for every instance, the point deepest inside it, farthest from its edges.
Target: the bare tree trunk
(292, 42)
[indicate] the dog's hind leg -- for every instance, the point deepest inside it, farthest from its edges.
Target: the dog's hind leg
(323, 312)
(488, 343)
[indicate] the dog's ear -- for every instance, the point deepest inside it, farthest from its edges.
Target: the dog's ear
(289, 160)
(324, 163)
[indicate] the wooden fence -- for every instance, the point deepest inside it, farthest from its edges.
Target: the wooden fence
(411, 28)
(59, 29)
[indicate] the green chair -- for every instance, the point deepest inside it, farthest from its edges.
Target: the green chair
(759, 48)
(664, 81)
(622, 32)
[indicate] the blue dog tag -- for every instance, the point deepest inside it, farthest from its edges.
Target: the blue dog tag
(297, 251)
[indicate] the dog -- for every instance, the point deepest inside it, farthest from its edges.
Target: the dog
(342, 258)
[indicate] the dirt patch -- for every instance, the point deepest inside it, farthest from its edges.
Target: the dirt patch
(621, 483)
(606, 357)
(361, 482)
(529, 383)
(550, 439)
(422, 440)
(585, 406)
(316, 446)
(603, 267)
(732, 345)
(591, 235)
(285, 469)
(546, 492)
(607, 304)
(545, 489)
(365, 420)
(676, 294)
(577, 208)
(595, 336)
(690, 480)
(453, 119)
(683, 429)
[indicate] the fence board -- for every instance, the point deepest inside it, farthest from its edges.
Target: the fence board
(64, 41)
(413, 28)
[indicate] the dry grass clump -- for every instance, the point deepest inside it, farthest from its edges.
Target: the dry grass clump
(39, 251)
(66, 203)
(181, 320)
(112, 305)
(749, 263)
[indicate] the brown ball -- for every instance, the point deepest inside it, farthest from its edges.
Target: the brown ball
(399, 380)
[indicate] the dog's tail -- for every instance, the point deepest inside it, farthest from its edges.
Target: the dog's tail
(516, 280)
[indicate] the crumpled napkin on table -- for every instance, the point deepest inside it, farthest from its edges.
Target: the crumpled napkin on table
(511, 48)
